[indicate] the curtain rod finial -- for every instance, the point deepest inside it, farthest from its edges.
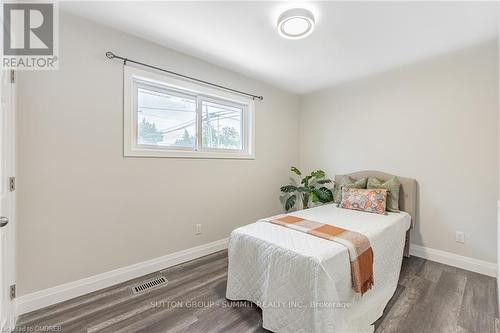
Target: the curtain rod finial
(110, 55)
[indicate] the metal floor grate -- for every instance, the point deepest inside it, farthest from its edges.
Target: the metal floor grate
(145, 286)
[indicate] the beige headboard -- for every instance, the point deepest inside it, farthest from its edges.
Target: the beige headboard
(407, 194)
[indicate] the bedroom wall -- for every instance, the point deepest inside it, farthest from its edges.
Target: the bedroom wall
(84, 209)
(436, 121)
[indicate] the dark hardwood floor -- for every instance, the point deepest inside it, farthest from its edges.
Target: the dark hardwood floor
(430, 297)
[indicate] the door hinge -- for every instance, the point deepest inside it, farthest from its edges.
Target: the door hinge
(12, 292)
(12, 184)
(12, 76)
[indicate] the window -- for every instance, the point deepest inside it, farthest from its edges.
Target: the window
(221, 125)
(165, 119)
(170, 117)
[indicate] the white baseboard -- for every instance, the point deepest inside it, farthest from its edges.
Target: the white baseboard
(447, 258)
(50, 296)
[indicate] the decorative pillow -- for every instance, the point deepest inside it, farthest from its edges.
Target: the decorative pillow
(372, 201)
(392, 187)
(347, 182)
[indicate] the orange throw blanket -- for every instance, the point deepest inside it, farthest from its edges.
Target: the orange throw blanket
(358, 246)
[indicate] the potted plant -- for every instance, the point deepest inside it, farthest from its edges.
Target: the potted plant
(309, 189)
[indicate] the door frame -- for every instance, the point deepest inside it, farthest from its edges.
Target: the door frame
(10, 166)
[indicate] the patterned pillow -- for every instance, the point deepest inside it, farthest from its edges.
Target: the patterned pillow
(367, 200)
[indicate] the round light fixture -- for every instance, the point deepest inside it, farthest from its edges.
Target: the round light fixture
(296, 23)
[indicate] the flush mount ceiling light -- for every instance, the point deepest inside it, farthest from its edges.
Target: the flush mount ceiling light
(296, 23)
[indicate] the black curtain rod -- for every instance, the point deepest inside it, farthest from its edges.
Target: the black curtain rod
(111, 55)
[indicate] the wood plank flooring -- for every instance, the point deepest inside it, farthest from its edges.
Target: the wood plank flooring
(430, 297)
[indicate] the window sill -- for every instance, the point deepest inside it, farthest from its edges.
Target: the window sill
(187, 154)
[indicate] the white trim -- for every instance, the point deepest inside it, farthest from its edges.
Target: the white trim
(8, 233)
(447, 258)
(50, 296)
(132, 77)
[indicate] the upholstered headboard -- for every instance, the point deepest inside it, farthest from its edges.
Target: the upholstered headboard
(407, 194)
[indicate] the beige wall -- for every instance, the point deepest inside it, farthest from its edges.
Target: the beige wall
(84, 209)
(436, 121)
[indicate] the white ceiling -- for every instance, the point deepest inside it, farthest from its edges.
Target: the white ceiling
(351, 39)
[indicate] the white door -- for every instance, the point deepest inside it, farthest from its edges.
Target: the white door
(7, 198)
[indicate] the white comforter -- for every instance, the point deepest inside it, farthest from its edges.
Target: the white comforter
(303, 282)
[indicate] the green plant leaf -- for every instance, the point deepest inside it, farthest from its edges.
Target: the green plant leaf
(318, 174)
(305, 180)
(288, 188)
(324, 194)
(324, 181)
(303, 189)
(314, 197)
(296, 171)
(290, 202)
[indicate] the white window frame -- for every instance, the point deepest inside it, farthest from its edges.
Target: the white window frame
(134, 77)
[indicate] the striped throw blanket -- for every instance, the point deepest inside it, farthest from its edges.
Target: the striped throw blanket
(358, 245)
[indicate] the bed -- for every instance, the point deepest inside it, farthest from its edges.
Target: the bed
(303, 283)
